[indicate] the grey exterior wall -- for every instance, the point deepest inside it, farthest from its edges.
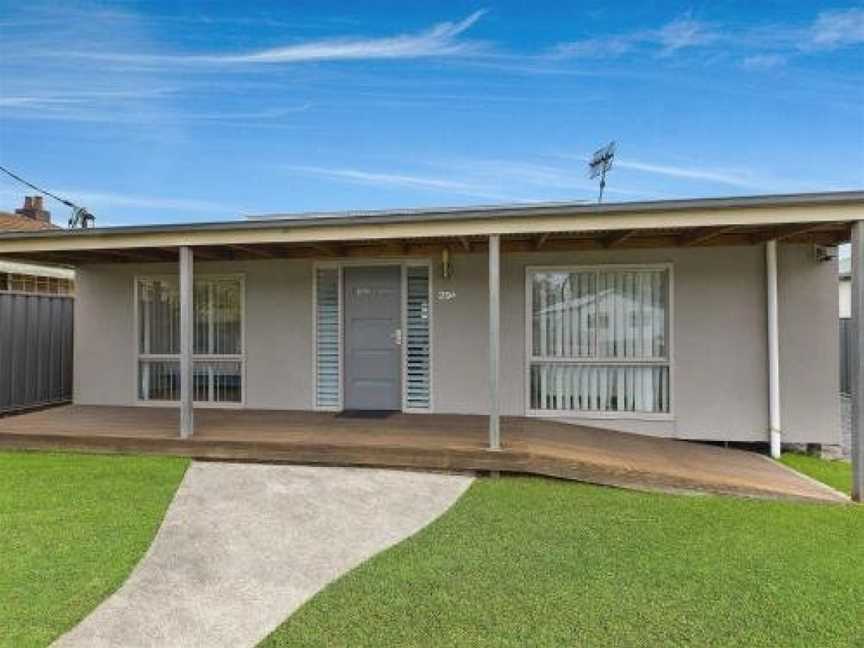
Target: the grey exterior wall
(719, 338)
(279, 318)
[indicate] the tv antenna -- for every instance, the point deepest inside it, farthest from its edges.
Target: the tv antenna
(600, 164)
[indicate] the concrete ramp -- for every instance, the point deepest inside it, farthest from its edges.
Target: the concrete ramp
(244, 545)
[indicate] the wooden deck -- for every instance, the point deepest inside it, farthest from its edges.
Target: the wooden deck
(430, 442)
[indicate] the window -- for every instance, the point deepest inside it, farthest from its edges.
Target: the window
(599, 340)
(218, 340)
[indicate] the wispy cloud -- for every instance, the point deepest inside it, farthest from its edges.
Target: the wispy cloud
(684, 32)
(77, 97)
(833, 29)
(438, 41)
(489, 179)
(829, 30)
(763, 62)
(734, 179)
(107, 200)
(676, 35)
(400, 180)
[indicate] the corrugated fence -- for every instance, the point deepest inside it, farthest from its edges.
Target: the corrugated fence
(35, 350)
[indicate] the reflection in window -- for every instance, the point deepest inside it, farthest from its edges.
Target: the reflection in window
(599, 340)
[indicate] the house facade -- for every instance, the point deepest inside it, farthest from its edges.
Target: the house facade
(706, 320)
(667, 342)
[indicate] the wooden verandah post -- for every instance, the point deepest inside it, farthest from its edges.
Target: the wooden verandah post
(187, 282)
(494, 339)
(774, 427)
(856, 365)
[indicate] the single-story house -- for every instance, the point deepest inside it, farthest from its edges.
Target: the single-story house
(708, 319)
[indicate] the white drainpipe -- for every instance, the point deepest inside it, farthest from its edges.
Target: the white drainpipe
(773, 350)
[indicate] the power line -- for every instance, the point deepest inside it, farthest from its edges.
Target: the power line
(68, 203)
(80, 215)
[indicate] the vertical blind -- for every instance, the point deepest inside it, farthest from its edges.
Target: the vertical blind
(599, 340)
(327, 338)
(217, 340)
(417, 338)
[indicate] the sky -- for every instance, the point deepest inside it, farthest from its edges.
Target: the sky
(155, 112)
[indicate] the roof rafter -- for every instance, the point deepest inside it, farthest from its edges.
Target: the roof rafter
(705, 234)
(328, 249)
(540, 241)
(262, 251)
(785, 232)
(616, 238)
(210, 254)
(140, 254)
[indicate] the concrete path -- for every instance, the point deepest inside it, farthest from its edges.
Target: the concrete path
(244, 545)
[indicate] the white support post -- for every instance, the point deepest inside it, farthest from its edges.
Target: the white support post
(494, 339)
(773, 350)
(856, 361)
(187, 281)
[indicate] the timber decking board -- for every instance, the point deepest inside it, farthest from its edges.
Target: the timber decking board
(423, 441)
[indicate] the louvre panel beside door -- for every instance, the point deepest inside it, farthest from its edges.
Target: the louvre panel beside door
(418, 342)
(327, 338)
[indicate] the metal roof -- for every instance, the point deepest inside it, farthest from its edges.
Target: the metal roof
(437, 214)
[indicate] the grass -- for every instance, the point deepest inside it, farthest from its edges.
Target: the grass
(72, 527)
(529, 561)
(837, 474)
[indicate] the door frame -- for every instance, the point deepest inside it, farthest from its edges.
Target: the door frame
(403, 264)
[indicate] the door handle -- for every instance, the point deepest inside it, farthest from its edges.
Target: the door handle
(397, 336)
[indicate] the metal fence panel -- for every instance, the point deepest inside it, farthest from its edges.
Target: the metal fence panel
(35, 350)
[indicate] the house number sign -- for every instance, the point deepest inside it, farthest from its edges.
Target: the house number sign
(446, 295)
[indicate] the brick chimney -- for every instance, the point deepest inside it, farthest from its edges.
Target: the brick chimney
(33, 209)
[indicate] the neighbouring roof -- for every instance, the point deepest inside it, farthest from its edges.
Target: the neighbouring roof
(15, 223)
(11, 267)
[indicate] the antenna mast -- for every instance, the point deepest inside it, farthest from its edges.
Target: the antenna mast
(600, 164)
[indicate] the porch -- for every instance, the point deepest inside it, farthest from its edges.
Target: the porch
(416, 441)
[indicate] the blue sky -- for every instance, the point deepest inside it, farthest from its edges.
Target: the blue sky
(185, 111)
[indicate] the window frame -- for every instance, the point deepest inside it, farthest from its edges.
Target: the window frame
(667, 361)
(403, 264)
(196, 357)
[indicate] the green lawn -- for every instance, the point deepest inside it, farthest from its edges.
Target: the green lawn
(529, 561)
(837, 474)
(72, 527)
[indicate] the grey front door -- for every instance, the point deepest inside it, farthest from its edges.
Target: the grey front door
(373, 337)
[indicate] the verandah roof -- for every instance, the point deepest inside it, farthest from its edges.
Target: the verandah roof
(821, 218)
